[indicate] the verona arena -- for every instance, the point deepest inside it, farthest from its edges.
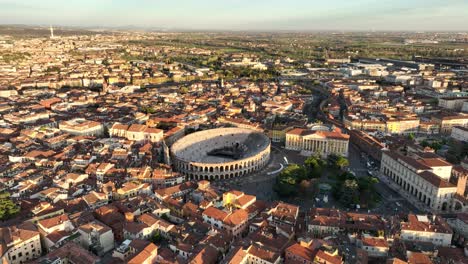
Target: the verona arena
(221, 153)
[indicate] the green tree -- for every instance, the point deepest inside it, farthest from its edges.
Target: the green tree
(331, 160)
(184, 90)
(349, 193)
(8, 208)
(345, 176)
(298, 173)
(342, 162)
(284, 190)
(457, 151)
(367, 183)
(148, 110)
(287, 182)
(337, 161)
(424, 143)
(157, 238)
(314, 166)
(367, 190)
(165, 217)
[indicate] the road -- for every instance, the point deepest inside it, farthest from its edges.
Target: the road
(265, 178)
(391, 201)
(261, 183)
(346, 248)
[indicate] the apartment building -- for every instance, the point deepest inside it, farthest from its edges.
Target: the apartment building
(422, 228)
(254, 254)
(447, 123)
(82, 127)
(97, 236)
(460, 224)
(403, 125)
(20, 244)
(234, 222)
(452, 103)
(310, 251)
(460, 133)
(136, 132)
(131, 189)
(374, 246)
(238, 199)
(323, 222)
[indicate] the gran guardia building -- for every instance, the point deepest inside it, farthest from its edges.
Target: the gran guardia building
(425, 181)
(320, 140)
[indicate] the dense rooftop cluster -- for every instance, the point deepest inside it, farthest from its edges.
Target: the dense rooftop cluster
(87, 175)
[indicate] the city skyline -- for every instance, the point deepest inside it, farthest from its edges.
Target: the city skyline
(242, 15)
(234, 131)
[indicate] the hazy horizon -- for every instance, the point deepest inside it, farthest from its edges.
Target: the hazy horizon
(243, 15)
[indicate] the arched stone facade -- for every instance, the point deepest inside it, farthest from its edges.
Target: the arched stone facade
(190, 158)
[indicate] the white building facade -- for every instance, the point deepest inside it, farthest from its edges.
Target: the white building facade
(323, 143)
(424, 182)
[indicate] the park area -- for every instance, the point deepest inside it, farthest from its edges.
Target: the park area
(326, 182)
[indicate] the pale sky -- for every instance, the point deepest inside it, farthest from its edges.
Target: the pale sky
(301, 15)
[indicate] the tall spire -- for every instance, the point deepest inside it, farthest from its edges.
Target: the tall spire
(51, 32)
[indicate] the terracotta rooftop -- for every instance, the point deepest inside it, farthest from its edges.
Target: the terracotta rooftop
(418, 258)
(95, 226)
(307, 253)
(424, 224)
(435, 162)
(147, 255)
(53, 221)
(74, 254)
(238, 217)
(374, 242)
(330, 259)
(215, 213)
(21, 232)
(208, 255)
(435, 180)
(322, 134)
(263, 254)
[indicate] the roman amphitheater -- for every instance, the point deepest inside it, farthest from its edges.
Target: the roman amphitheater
(220, 153)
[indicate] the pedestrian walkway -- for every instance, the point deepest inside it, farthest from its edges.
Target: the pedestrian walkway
(397, 188)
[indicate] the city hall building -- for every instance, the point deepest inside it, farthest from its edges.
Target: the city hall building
(318, 140)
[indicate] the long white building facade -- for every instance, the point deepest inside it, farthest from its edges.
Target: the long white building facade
(423, 181)
(319, 142)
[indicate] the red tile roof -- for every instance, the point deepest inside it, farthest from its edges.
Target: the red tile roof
(215, 213)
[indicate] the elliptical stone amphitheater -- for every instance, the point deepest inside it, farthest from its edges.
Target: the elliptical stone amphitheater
(221, 153)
